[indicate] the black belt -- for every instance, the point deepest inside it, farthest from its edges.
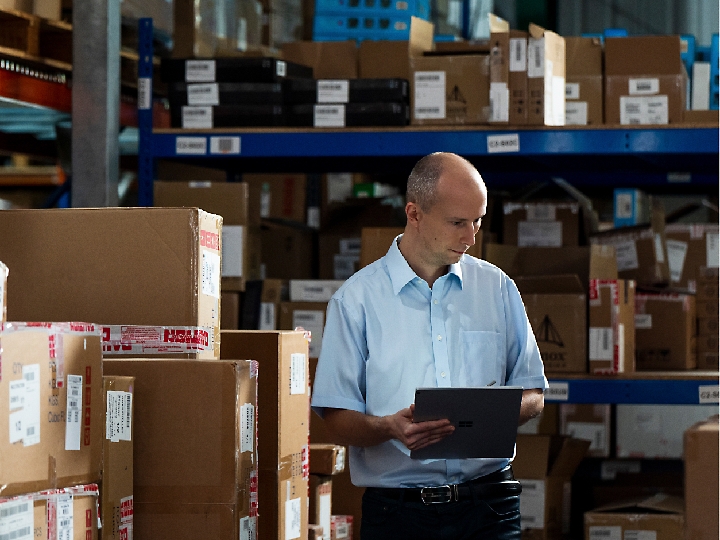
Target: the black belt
(500, 483)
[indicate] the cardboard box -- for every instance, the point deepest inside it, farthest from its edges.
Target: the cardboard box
(612, 326)
(551, 224)
(287, 252)
(116, 493)
(19, 5)
(339, 255)
(645, 80)
(518, 78)
(590, 422)
(329, 59)
(230, 307)
(320, 502)
(228, 200)
(544, 466)
(56, 277)
(274, 291)
(48, 9)
(583, 81)
(630, 207)
(341, 527)
(708, 326)
(450, 90)
(499, 70)
(700, 456)
(313, 290)
(315, 532)
(546, 423)
(690, 247)
(196, 477)
(327, 459)
(665, 332)
(656, 431)
(283, 398)
(556, 309)
(3, 293)
(52, 374)
(660, 517)
(278, 196)
(307, 315)
(546, 77)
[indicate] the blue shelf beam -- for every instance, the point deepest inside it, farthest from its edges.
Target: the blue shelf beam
(690, 391)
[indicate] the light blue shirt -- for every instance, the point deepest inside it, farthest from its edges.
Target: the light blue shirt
(388, 333)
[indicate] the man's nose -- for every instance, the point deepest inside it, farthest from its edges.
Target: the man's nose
(469, 233)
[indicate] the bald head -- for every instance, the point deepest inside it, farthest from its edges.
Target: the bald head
(423, 182)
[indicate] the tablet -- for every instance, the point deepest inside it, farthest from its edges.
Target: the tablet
(485, 420)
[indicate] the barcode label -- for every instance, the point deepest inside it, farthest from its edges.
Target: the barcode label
(572, 90)
(601, 344)
(499, 102)
(225, 145)
(293, 516)
(16, 519)
(497, 144)
(144, 93)
(329, 116)
(518, 55)
(638, 87)
(210, 273)
(643, 321)
(333, 91)
(576, 113)
(635, 110)
(203, 94)
(267, 316)
(429, 95)
(64, 517)
(118, 416)
(200, 71)
(536, 57)
(281, 68)
(605, 533)
(247, 427)
(73, 421)
(640, 535)
(17, 394)
(627, 256)
(297, 374)
(247, 528)
(197, 117)
(31, 409)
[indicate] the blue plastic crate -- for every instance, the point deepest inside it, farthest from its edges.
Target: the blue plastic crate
(361, 27)
(702, 54)
(687, 51)
(418, 8)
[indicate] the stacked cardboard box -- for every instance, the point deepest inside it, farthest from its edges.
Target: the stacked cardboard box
(660, 516)
(665, 332)
(707, 312)
(700, 455)
(326, 460)
(584, 81)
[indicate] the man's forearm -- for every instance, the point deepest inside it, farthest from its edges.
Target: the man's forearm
(533, 402)
(351, 428)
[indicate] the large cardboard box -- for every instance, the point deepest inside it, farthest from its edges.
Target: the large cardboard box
(116, 492)
(278, 196)
(556, 309)
(195, 447)
(590, 422)
(51, 382)
(287, 252)
(228, 200)
(700, 455)
(284, 400)
(310, 316)
(327, 459)
(321, 502)
(583, 81)
(690, 247)
(665, 332)
(541, 224)
(544, 465)
(230, 306)
(659, 517)
(611, 334)
(329, 59)
(114, 266)
(546, 77)
(645, 80)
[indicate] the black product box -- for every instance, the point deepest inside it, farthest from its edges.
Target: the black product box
(231, 70)
(349, 115)
(225, 116)
(180, 93)
(346, 91)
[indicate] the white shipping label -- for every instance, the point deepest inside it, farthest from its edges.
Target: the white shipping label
(429, 95)
(518, 54)
(541, 212)
(711, 248)
(621, 348)
(31, 410)
(329, 116)
(281, 68)
(17, 394)
(298, 376)
(627, 257)
(535, 58)
(339, 187)
(643, 110)
(576, 113)
(499, 144)
(64, 517)
(192, 146)
(267, 316)
(643, 321)
(210, 273)
(676, 258)
(532, 504)
(605, 533)
(540, 233)
(499, 102)
(609, 469)
(73, 416)
(265, 202)
(247, 528)
(708, 394)
(601, 343)
(643, 87)
(203, 94)
(333, 91)
(247, 427)
(572, 90)
(313, 217)
(314, 321)
(197, 117)
(232, 250)
(292, 518)
(557, 391)
(659, 248)
(200, 71)
(590, 431)
(118, 416)
(17, 519)
(640, 535)
(200, 184)
(341, 531)
(144, 93)
(324, 512)
(225, 145)
(557, 102)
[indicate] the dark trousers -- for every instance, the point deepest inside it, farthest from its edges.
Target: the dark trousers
(476, 517)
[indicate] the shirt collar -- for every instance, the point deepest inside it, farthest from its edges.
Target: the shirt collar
(400, 272)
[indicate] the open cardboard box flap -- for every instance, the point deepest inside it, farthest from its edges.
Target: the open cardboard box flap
(660, 503)
(548, 455)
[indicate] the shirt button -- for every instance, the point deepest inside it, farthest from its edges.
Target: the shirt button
(435, 302)
(442, 374)
(439, 338)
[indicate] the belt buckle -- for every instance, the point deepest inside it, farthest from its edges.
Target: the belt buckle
(438, 495)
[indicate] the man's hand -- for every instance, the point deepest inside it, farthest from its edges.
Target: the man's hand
(417, 435)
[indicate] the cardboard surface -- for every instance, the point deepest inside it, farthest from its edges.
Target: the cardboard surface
(84, 264)
(230, 306)
(329, 59)
(659, 517)
(700, 455)
(307, 315)
(590, 422)
(665, 327)
(690, 247)
(287, 252)
(611, 321)
(551, 224)
(517, 78)
(84, 511)
(327, 459)
(279, 196)
(321, 502)
(42, 455)
(546, 77)
(583, 81)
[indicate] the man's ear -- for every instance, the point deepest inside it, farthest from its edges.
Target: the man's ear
(413, 212)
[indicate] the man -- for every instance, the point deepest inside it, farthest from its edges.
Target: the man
(426, 315)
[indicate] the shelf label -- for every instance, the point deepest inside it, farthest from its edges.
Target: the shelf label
(225, 145)
(329, 116)
(333, 91)
(144, 93)
(558, 391)
(200, 71)
(196, 146)
(203, 94)
(497, 144)
(197, 117)
(429, 95)
(708, 394)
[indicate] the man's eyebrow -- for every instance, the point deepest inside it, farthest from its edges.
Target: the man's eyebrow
(451, 218)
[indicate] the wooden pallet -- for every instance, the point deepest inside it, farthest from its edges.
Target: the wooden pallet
(39, 43)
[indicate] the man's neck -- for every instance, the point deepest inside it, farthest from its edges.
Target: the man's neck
(429, 273)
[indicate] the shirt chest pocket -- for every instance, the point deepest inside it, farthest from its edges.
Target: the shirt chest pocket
(483, 358)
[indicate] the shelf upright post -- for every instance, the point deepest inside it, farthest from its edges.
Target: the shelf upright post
(146, 161)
